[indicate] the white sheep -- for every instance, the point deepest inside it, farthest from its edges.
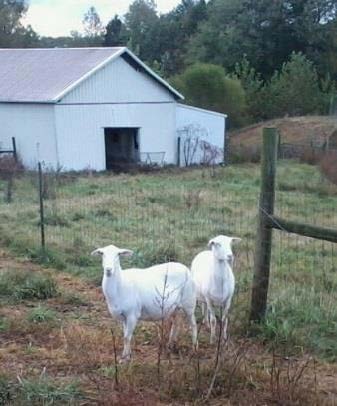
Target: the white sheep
(152, 294)
(214, 279)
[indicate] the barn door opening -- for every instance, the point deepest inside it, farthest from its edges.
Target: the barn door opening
(121, 147)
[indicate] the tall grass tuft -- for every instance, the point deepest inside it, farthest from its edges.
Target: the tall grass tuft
(17, 285)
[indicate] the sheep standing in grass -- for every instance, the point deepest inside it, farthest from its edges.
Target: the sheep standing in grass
(152, 294)
(213, 276)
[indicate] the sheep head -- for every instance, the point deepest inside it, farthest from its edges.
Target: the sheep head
(110, 257)
(221, 246)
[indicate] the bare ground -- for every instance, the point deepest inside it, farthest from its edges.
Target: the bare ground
(80, 347)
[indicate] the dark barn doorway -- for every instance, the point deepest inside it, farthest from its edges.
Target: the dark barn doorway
(121, 147)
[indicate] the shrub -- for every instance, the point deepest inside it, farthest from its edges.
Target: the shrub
(208, 86)
(21, 285)
(328, 166)
(45, 391)
(41, 314)
(294, 90)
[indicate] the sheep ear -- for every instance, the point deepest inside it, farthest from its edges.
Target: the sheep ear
(125, 253)
(210, 244)
(98, 251)
(236, 239)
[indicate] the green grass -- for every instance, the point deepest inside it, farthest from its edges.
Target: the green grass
(18, 285)
(45, 391)
(41, 314)
(172, 214)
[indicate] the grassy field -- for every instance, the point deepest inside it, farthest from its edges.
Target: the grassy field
(167, 215)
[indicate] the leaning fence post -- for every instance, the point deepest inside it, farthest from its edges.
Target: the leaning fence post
(15, 154)
(264, 231)
(43, 244)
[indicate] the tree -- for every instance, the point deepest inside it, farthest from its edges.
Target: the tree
(115, 34)
(209, 87)
(12, 32)
(267, 32)
(92, 23)
(295, 89)
(140, 22)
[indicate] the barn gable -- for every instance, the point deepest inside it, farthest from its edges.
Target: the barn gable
(119, 82)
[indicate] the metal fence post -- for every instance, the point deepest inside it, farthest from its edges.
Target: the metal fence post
(43, 243)
(178, 151)
(14, 149)
(264, 231)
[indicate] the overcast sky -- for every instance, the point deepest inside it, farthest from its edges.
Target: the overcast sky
(59, 17)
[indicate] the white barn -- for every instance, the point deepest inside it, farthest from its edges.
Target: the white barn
(92, 108)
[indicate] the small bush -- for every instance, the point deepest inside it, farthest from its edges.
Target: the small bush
(44, 257)
(328, 167)
(22, 285)
(41, 314)
(46, 392)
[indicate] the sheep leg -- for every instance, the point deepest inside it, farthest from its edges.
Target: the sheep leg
(128, 327)
(225, 319)
(205, 313)
(174, 331)
(194, 329)
(212, 321)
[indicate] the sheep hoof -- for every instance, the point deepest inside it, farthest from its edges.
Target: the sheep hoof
(173, 348)
(125, 360)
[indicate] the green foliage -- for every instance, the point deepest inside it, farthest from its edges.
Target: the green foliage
(267, 32)
(18, 285)
(253, 86)
(294, 90)
(13, 34)
(140, 22)
(46, 391)
(41, 314)
(115, 34)
(298, 310)
(208, 86)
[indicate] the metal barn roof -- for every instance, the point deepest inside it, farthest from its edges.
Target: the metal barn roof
(46, 75)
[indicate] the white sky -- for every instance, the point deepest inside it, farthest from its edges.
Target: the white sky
(59, 17)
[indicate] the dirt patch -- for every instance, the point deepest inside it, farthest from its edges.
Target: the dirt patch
(293, 130)
(80, 347)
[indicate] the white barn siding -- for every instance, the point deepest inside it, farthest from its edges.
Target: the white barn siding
(115, 96)
(33, 127)
(118, 82)
(80, 130)
(207, 125)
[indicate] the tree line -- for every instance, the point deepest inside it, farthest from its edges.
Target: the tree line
(252, 59)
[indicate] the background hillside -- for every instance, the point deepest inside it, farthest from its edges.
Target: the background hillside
(293, 130)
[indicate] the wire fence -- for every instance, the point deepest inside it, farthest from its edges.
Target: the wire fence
(171, 215)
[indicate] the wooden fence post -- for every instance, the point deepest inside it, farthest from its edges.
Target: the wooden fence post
(264, 231)
(43, 243)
